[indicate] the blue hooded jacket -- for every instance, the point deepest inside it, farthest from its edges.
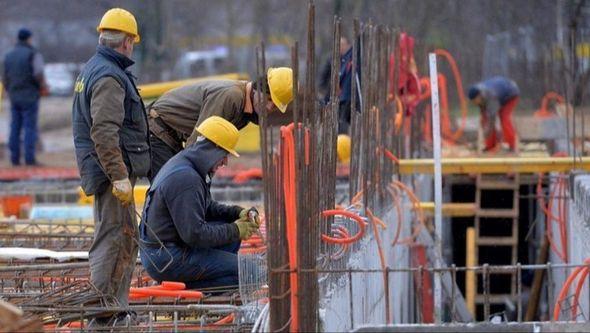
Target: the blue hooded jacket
(179, 204)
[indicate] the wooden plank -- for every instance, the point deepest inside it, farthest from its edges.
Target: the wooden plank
(497, 213)
(450, 209)
(470, 261)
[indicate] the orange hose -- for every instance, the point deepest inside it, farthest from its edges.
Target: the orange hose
(543, 112)
(246, 175)
(288, 161)
(416, 204)
(563, 292)
(225, 320)
(372, 218)
(350, 215)
(135, 293)
(390, 155)
(547, 209)
(454, 136)
(169, 285)
(581, 281)
(399, 216)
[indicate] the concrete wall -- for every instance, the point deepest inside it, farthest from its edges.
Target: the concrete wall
(368, 294)
(579, 234)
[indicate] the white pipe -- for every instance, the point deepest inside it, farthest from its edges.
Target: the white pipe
(258, 321)
(437, 183)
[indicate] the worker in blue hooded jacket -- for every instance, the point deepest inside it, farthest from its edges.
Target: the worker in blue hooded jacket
(201, 236)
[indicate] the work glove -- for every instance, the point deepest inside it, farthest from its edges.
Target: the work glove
(246, 228)
(123, 191)
(250, 214)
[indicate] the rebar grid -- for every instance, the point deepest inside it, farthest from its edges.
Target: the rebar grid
(488, 272)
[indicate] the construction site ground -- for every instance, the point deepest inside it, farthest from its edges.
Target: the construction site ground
(56, 147)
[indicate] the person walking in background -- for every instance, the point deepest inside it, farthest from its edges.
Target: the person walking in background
(24, 81)
(496, 96)
(112, 150)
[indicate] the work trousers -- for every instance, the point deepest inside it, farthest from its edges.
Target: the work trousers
(113, 253)
(508, 132)
(161, 153)
(23, 116)
(197, 268)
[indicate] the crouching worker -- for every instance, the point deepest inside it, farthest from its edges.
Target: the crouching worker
(202, 235)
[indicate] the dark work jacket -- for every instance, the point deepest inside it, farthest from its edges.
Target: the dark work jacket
(344, 78)
(133, 136)
(498, 88)
(179, 204)
(22, 86)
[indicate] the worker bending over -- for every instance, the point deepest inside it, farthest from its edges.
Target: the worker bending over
(202, 235)
(174, 115)
(494, 96)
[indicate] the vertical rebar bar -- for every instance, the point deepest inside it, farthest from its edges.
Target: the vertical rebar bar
(519, 292)
(550, 287)
(486, 292)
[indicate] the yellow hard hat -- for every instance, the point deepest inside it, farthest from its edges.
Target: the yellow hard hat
(121, 20)
(343, 148)
(221, 132)
(280, 83)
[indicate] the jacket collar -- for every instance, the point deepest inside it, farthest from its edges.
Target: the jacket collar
(120, 59)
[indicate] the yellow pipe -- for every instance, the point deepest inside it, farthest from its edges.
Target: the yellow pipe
(470, 283)
(451, 209)
(154, 90)
(495, 165)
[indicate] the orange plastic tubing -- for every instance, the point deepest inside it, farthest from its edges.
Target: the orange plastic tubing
(459, 83)
(354, 217)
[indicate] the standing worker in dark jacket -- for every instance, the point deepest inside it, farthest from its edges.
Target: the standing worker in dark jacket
(344, 85)
(23, 79)
(175, 114)
(496, 96)
(112, 151)
(202, 235)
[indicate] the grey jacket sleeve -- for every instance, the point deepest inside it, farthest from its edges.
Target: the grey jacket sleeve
(108, 111)
(187, 209)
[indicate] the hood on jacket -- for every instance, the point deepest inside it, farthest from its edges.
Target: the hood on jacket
(204, 155)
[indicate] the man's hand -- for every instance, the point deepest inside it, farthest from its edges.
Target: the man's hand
(250, 214)
(123, 191)
(246, 228)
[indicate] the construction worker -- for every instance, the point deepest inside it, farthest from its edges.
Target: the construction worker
(201, 235)
(112, 150)
(24, 81)
(496, 96)
(344, 87)
(175, 114)
(343, 148)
